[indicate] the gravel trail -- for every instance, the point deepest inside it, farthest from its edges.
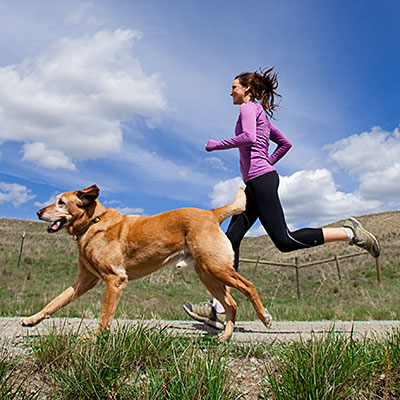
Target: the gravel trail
(245, 331)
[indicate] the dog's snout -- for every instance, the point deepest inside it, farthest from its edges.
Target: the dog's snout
(39, 213)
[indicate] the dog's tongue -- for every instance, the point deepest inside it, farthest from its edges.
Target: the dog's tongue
(55, 226)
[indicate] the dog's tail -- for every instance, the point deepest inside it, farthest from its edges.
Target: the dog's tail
(236, 207)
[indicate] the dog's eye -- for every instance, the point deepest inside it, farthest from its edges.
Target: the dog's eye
(61, 202)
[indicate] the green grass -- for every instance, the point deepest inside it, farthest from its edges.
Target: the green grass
(147, 363)
(336, 367)
(12, 377)
(131, 363)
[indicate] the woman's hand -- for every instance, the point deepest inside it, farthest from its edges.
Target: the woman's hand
(211, 145)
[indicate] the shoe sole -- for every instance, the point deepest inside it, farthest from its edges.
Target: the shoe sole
(213, 324)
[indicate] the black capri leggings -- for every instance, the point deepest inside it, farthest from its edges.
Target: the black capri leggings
(263, 203)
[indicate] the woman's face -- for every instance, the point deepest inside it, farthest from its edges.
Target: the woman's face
(238, 93)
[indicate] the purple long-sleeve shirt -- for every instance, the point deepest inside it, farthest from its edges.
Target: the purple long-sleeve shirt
(253, 132)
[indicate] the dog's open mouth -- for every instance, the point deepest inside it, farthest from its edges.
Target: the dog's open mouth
(56, 226)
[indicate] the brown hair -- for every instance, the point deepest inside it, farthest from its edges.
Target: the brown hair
(262, 85)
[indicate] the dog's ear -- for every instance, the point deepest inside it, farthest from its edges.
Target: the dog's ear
(88, 196)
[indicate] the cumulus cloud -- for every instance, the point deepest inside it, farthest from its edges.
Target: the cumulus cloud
(15, 194)
(383, 184)
(38, 152)
(224, 191)
(313, 196)
(376, 149)
(373, 159)
(70, 102)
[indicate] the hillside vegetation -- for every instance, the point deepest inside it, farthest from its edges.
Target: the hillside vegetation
(49, 263)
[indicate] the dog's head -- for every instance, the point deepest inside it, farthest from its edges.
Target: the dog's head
(69, 207)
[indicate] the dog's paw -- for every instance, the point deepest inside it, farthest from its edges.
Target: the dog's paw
(267, 320)
(227, 333)
(223, 337)
(27, 322)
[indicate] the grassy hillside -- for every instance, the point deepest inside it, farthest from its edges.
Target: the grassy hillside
(49, 264)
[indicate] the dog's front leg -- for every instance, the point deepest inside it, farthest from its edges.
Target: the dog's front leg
(85, 281)
(115, 284)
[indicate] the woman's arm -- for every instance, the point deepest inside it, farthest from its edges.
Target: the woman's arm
(283, 145)
(248, 135)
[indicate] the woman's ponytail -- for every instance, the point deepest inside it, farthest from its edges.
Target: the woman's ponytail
(262, 86)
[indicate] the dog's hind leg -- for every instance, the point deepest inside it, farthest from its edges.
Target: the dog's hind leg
(213, 253)
(84, 281)
(222, 293)
(235, 280)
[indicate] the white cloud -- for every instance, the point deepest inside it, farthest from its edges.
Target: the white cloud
(256, 231)
(15, 194)
(382, 184)
(213, 163)
(74, 98)
(130, 210)
(124, 210)
(313, 196)
(53, 159)
(373, 158)
(377, 149)
(224, 192)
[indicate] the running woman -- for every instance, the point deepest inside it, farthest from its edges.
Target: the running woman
(255, 93)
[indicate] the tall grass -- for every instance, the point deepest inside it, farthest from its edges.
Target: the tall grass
(336, 367)
(131, 363)
(148, 363)
(12, 378)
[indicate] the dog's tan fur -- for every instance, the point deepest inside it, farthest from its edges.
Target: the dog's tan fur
(117, 248)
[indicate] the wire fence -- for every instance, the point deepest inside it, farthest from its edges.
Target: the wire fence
(297, 266)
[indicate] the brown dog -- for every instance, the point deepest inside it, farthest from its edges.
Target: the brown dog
(117, 248)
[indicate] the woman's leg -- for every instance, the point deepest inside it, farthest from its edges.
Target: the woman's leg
(264, 191)
(335, 235)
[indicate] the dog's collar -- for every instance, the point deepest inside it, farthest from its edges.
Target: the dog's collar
(81, 232)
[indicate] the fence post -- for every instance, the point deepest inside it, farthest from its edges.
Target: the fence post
(378, 271)
(20, 250)
(298, 277)
(255, 268)
(338, 267)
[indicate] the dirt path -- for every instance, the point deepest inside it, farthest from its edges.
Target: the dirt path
(247, 331)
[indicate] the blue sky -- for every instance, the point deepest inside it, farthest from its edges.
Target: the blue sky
(125, 94)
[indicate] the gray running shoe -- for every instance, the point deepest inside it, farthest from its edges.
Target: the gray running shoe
(204, 312)
(362, 238)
